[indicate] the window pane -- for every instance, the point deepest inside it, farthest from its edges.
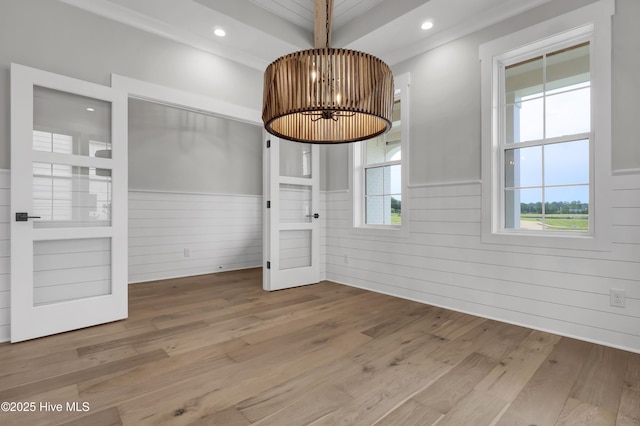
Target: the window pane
(375, 210)
(523, 209)
(375, 149)
(523, 167)
(393, 175)
(392, 151)
(567, 208)
(524, 120)
(374, 181)
(568, 113)
(396, 209)
(523, 79)
(566, 163)
(567, 67)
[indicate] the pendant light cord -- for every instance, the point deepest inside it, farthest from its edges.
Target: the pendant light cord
(327, 24)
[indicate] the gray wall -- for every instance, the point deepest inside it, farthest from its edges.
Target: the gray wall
(176, 150)
(59, 38)
(445, 100)
(626, 85)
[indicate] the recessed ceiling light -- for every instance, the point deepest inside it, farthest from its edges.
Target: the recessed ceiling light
(90, 109)
(219, 32)
(427, 25)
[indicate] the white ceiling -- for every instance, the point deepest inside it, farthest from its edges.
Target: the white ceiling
(259, 31)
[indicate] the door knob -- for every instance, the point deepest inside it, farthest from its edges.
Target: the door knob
(23, 217)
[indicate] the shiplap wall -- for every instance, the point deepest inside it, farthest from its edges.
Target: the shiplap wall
(5, 284)
(221, 232)
(443, 262)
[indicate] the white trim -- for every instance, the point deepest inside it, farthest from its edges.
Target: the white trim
(440, 184)
(183, 99)
(625, 172)
(595, 17)
(174, 276)
(336, 191)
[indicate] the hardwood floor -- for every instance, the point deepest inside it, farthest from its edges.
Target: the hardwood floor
(218, 350)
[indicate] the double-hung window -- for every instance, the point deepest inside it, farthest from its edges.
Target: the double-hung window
(546, 118)
(546, 130)
(379, 172)
(383, 175)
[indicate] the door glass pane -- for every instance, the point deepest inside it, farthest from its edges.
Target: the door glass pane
(295, 249)
(71, 124)
(295, 159)
(295, 203)
(71, 269)
(66, 196)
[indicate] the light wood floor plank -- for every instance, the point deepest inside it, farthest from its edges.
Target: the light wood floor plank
(218, 350)
(549, 387)
(601, 380)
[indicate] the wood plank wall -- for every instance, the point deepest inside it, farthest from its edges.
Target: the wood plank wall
(443, 262)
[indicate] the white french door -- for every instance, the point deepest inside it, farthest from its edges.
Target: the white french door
(68, 203)
(292, 236)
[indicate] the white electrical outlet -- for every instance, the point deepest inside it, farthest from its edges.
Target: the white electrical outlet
(346, 259)
(617, 297)
(187, 252)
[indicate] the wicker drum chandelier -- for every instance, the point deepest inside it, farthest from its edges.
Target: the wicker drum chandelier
(327, 95)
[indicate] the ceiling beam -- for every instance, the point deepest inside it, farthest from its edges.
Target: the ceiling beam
(322, 22)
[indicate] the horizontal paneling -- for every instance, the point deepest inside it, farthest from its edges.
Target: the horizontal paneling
(444, 262)
(181, 234)
(5, 278)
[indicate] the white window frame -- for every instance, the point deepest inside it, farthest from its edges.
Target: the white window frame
(357, 178)
(590, 23)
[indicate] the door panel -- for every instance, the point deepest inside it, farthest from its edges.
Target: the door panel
(68, 203)
(291, 223)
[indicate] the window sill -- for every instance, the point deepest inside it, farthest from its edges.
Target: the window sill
(584, 241)
(381, 231)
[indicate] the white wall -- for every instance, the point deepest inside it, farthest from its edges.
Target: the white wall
(443, 261)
